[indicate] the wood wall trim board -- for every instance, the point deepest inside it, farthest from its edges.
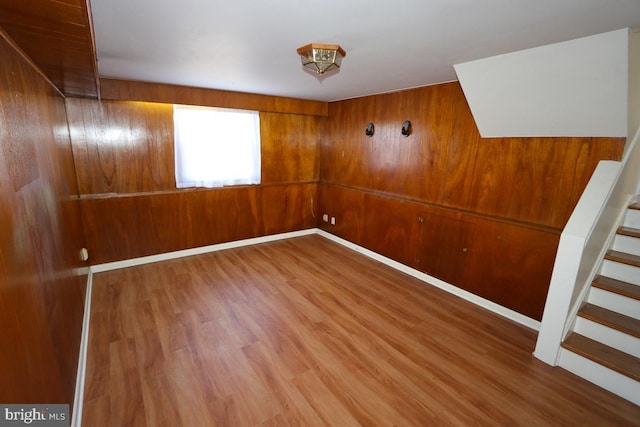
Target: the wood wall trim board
(124, 90)
(57, 37)
(92, 40)
(28, 60)
(191, 190)
(402, 198)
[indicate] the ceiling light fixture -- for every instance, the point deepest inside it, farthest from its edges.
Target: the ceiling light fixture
(321, 57)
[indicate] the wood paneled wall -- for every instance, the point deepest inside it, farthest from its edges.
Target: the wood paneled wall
(492, 209)
(124, 157)
(41, 289)
(124, 227)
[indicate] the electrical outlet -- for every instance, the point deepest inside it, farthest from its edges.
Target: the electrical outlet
(333, 220)
(325, 217)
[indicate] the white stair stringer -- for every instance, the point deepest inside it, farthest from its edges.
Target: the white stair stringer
(619, 384)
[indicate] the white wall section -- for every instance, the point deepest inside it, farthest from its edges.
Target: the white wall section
(573, 88)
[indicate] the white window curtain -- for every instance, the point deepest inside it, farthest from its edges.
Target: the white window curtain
(215, 147)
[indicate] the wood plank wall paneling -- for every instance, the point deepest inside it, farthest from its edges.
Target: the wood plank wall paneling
(124, 90)
(492, 209)
(445, 162)
(127, 147)
(127, 227)
(290, 147)
(57, 36)
(41, 289)
(124, 157)
(122, 147)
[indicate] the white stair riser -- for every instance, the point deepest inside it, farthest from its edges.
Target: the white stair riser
(614, 302)
(632, 218)
(604, 377)
(627, 244)
(611, 337)
(620, 271)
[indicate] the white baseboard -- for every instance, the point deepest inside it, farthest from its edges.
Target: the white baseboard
(467, 296)
(98, 268)
(78, 400)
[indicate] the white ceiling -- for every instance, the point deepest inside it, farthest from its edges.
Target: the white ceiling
(250, 45)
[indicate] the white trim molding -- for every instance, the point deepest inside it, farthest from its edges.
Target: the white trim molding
(99, 268)
(78, 399)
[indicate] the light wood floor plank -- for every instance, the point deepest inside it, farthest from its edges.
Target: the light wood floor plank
(305, 332)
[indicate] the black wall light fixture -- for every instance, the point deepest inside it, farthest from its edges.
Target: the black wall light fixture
(370, 129)
(406, 128)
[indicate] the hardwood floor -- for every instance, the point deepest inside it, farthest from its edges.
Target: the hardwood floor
(305, 332)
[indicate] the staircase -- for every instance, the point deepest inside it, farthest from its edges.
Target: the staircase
(604, 345)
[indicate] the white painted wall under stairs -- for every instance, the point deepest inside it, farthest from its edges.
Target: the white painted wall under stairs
(605, 377)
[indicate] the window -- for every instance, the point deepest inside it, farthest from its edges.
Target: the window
(216, 146)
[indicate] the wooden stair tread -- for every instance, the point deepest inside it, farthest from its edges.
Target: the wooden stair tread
(623, 257)
(635, 206)
(610, 357)
(629, 231)
(609, 318)
(617, 286)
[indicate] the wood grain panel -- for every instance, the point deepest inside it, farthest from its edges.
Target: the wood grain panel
(345, 149)
(290, 147)
(123, 227)
(57, 36)
(445, 162)
(443, 248)
(41, 289)
(507, 263)
(304, 332)
(391, 228)
(171, 94)
(347, 206)
(122, 147)
(535, 180)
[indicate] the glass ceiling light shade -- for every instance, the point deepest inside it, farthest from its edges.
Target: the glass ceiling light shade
(321, 57)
